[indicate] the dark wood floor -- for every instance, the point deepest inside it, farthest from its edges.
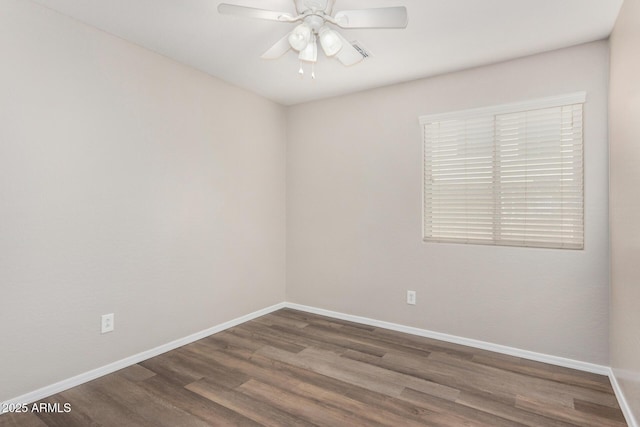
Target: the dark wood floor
(294, 368)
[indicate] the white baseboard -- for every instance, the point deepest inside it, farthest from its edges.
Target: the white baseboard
(525, 354)
(132, 360)
(624, 405)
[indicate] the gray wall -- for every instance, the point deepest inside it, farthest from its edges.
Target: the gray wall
(354, 245)
(128, 184)
(624, 134)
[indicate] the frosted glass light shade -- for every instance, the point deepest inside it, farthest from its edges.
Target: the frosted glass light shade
(300, 37)
(331, 43)
(310, 52)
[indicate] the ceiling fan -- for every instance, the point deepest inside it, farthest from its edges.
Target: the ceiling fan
(315, 18)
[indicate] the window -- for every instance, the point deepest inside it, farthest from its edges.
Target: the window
(508, 175)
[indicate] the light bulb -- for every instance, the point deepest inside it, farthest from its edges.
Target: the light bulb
(330, 41)
(300, 37)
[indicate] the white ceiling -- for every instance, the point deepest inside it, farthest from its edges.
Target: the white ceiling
(442, 36)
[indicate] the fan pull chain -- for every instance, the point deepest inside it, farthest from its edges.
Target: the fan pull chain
(313, 70)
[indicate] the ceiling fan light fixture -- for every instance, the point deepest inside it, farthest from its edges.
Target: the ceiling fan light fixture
(316, 21)
(300, 37)
(330, 41)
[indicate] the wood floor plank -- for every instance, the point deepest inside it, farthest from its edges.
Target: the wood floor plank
(320, 320)
(521, 384)
(157, 411)
(249, 332)
(227, 339)
(490, 379)
(60, 417)
(211, 412)
(434, 372)
(570, 415)
(261, 368)
(339, 339)
(313, 410)
(243, 362)
(432, 345)
(545, 371)
(368, 414)
(251, 408)
(598, 410)
(306, 339)
(371, 399)
(167, 366)
(101, 407)
(273, 319)
(21, 419)
(207, 368)
(509, 412)
(465, 415)
(371, 339)
(294, 368)
(367, 378)
(136, 373)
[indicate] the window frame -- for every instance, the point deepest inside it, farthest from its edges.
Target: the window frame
(566, 100)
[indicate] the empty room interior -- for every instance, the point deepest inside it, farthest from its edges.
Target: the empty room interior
(320, 212)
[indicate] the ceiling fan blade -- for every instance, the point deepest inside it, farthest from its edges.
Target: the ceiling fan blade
(281, 47)
(251, 12)
(348, 55)
(330, 5)
(384, 17)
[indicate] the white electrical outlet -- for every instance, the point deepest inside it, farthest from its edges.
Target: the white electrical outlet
(107, 323)
(411, 297)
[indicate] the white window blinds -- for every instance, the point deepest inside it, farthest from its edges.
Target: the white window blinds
(508, 175)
